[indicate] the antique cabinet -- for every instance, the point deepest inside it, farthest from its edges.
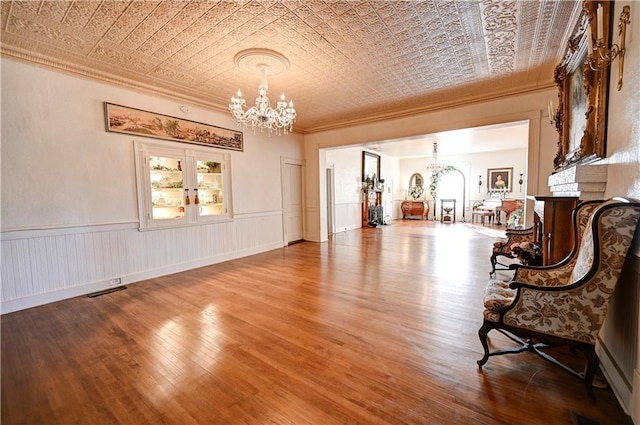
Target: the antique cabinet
(372, 213)
(553, 226)
(181, 186)
(414, 208)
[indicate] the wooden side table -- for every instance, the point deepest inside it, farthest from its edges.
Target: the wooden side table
(450, 206)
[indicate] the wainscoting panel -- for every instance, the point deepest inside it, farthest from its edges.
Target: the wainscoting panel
(348, 216)
(618, 348)
(40, 266)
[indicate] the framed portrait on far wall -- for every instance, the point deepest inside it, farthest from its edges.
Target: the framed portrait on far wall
(500, 179)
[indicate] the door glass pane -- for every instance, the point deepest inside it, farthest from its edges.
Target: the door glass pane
(166, 187)
(210, 188)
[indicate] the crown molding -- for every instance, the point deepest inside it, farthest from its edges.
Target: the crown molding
(89, 73)
(431, 107)
(219, 105)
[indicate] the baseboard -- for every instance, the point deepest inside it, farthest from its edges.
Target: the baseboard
(347, 228)
(619, 383)
(80, 290)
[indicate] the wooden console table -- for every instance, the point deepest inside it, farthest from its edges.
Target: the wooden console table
(553, 226)
(415, 208)
(446, 206)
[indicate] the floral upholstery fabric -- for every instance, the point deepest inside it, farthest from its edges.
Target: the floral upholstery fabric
(497, 295)
(578, 312)
(504, 246)
(558, 276)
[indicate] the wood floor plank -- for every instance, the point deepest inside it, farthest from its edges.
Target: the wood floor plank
(374, 326)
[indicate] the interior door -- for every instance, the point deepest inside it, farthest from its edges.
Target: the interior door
(293, 216)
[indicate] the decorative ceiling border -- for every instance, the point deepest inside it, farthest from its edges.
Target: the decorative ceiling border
(499, 23)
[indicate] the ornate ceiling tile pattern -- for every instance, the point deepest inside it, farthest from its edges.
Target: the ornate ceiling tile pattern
(351, 61)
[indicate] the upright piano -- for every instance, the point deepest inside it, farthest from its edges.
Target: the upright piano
(508, 206)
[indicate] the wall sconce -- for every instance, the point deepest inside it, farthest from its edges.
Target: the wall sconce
(552, 114)
(521, 181)
(479, 182)
(605, 55)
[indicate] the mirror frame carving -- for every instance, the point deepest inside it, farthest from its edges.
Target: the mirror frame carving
(412, 178)
(582, 91)
(371, 156)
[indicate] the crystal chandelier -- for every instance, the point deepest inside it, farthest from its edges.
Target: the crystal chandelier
(262, 115)
(435, 165)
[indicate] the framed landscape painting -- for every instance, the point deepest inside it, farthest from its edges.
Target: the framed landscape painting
(122, 119)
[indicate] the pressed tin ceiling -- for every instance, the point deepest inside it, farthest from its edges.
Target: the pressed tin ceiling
(350, 61)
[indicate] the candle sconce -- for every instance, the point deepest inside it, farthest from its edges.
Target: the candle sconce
(599, 54)
(521, 181)
(479, 183)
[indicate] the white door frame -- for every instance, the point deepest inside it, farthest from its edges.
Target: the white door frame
(283, 162)
(331, 200)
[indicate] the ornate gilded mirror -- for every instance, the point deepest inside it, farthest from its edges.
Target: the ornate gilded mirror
(582, 83)
(416, 185)
(370, 165)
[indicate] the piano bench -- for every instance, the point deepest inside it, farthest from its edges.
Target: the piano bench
(482, 214)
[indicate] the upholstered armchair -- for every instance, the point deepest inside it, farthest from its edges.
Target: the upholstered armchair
(502, 248)
(565, 305)
(548, 275)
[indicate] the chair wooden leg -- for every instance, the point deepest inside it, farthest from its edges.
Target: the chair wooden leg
(590, 371)
(483, 333)
(493, 260)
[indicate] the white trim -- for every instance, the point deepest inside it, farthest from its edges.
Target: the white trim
(252, 214)
(38, 231)
(619, 384)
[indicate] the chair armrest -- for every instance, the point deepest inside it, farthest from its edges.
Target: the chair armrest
(546, 276)
(513, 236)
(527, 231)
(518, 284)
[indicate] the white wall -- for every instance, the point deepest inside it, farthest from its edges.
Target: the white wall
(69, 206)
(621, 353)
(479, 164)
(347, 166)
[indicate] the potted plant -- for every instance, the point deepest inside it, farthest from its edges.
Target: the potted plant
(416, 192)
(214, 167)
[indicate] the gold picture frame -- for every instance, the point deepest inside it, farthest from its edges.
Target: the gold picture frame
(500, 179)
(123, 119)
(582, 92)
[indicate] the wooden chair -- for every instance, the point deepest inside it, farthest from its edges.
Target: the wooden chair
(502, 248)
(580, 217)
(544, 274)
(565, 304)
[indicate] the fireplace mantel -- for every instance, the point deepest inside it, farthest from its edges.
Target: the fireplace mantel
(588, 182)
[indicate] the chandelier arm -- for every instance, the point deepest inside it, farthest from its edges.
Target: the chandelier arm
(262, 115)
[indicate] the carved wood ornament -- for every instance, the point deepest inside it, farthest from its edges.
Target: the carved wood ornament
(582, 93)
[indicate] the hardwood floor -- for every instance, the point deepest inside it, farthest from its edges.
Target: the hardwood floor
(374, 326)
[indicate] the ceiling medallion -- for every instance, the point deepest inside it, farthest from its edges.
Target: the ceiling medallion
(263, 62)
